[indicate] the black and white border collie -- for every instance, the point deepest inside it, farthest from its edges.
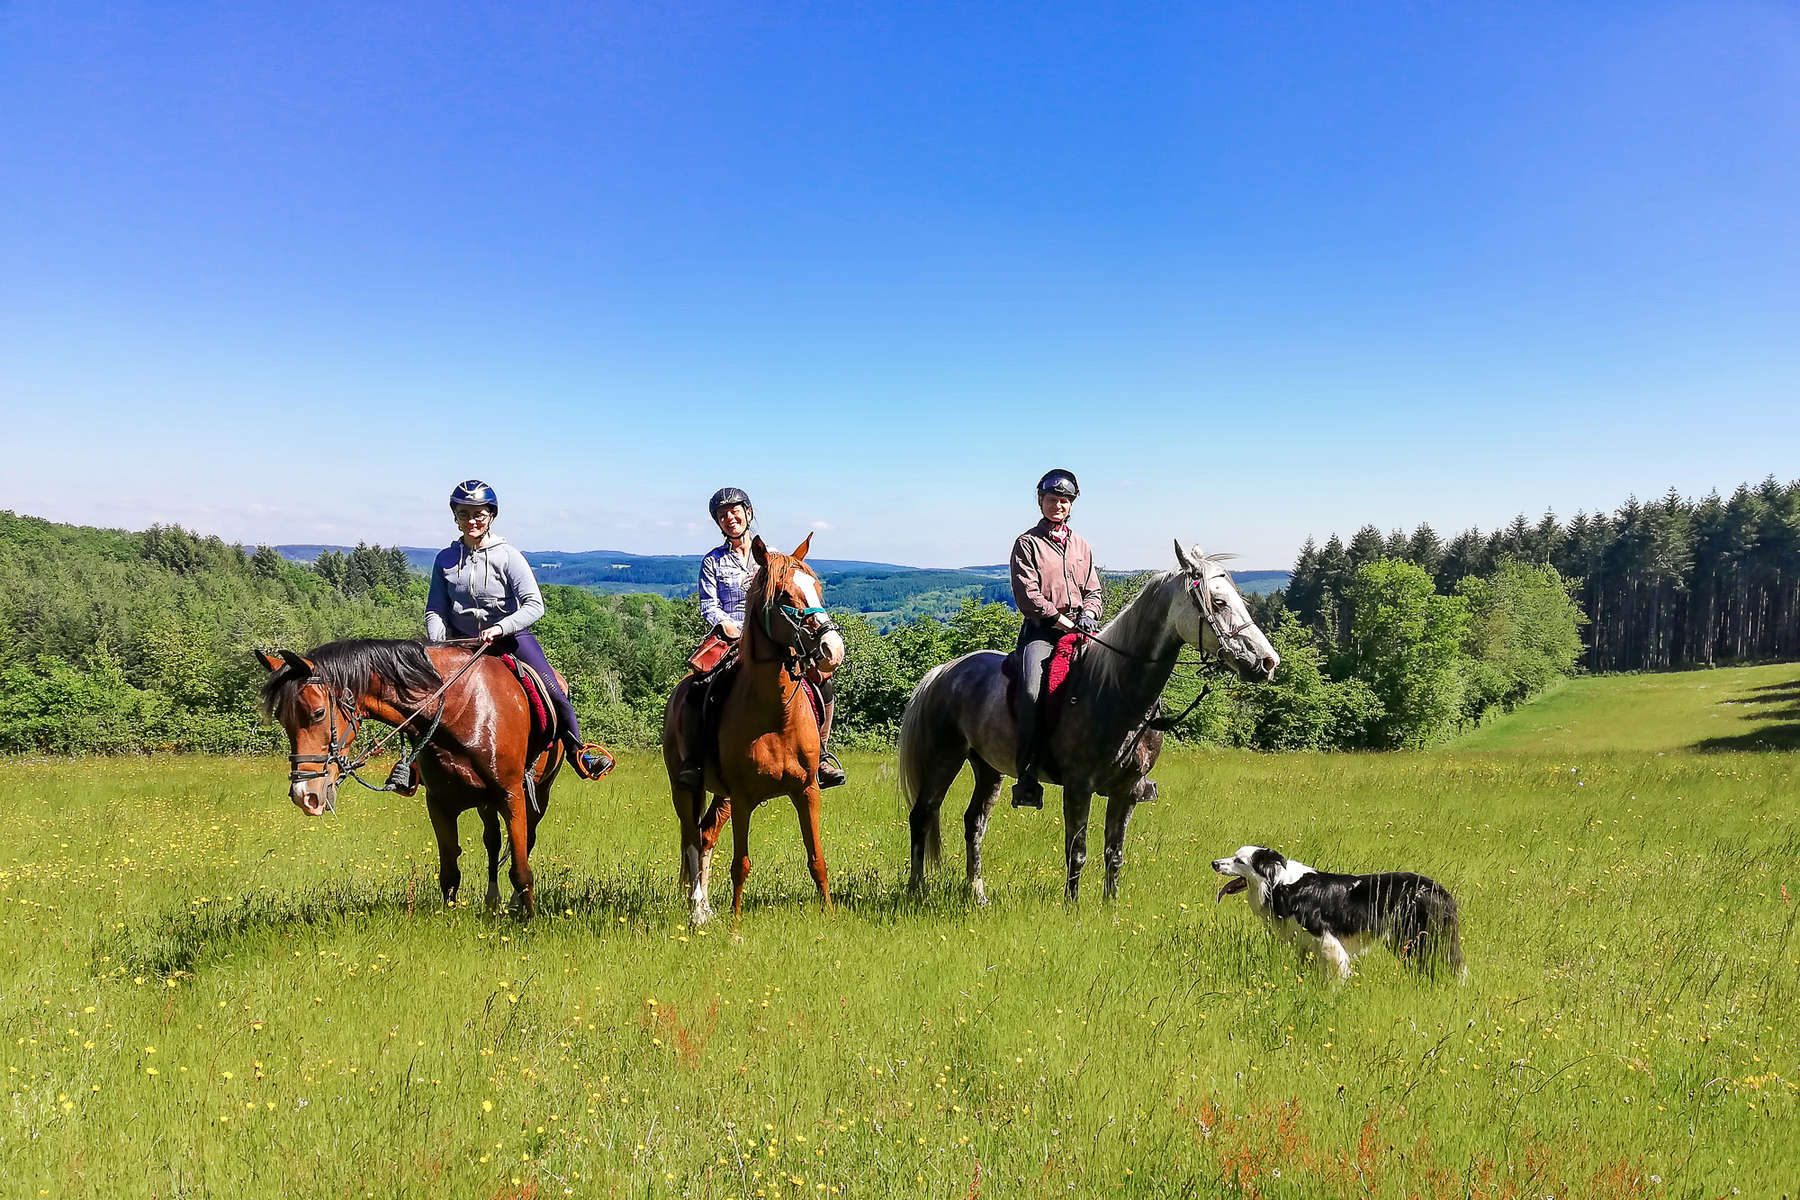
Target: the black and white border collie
(1338, 917)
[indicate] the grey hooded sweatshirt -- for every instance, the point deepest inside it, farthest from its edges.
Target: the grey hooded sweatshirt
(472, 589)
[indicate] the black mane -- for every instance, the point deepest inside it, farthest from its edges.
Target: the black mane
(348, 666)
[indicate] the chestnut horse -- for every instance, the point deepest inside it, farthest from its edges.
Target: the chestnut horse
(768, 737)
(479, 741)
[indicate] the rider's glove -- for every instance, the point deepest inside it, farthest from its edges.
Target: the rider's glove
(1088, 623)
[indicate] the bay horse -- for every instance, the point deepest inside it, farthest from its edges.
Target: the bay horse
(479, 741)
(1104, 739)
(768, 735)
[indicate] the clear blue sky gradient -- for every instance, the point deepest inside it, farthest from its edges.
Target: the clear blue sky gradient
(286, 272)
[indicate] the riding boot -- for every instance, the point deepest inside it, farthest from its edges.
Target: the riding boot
(1027, 792)
(403, 779)
(831, 771)
(591, 761)
(692, 776)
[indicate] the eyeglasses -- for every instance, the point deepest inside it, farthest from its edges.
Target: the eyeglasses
(465, 515)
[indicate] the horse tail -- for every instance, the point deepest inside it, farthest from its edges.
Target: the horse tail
(915, 751)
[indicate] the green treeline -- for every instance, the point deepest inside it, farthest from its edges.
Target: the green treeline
(1668, 584)
(130, 642)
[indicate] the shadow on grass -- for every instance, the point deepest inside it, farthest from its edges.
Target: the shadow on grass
(178, 942)
(1771, 737)
(1784, 735)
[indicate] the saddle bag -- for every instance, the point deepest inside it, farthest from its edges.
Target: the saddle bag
(713, 651)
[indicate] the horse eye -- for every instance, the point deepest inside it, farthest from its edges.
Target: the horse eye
(318, 715)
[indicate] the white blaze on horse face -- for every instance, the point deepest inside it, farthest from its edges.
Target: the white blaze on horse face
(832, 643)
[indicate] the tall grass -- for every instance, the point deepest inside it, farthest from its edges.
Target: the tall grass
(206, 993)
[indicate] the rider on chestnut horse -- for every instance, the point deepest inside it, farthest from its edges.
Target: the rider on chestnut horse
(483, 589)
(1057, 588)
(725, 575)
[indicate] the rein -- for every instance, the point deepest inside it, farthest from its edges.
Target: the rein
(1193, 591)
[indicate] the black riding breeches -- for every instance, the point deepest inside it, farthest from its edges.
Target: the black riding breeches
(1034, 663)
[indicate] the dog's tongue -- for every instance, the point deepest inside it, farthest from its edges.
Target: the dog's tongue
(1235, 884)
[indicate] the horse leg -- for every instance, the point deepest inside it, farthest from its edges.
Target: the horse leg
(740, 855)
(1075, 826)
(711, 826)
(806, 805)
(1119, 808)
(518, 827)
(923, 819)
(689, 832)
(975, 820)
(492, 839)
(443, 824)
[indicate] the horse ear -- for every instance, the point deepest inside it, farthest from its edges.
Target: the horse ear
(302, 667)
(799, 554)
(759, 551)
(271, 662)
(1188, 563)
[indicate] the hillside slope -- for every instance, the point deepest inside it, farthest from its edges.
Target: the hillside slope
(1730, 708)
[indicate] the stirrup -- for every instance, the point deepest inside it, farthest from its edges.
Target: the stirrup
(831, 771)
(592, 761)
(1028, 793)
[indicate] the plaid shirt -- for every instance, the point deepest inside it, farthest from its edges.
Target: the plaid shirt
(724, 578)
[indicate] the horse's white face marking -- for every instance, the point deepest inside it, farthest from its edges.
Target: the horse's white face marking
(832, 643)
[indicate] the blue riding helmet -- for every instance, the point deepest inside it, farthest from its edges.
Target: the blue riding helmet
(1058, 482)
(725, 497)
(474, 492)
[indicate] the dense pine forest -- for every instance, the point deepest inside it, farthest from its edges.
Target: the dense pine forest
(1672, 583)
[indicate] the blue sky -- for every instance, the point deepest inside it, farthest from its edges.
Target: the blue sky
(1254, 272)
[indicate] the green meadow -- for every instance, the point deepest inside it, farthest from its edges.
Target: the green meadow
(206, 993)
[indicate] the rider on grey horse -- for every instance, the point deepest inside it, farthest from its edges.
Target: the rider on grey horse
(725, 575)
(1057, 588)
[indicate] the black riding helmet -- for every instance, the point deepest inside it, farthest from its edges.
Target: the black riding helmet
(725, 497)
(1058, 482)
(474, 492)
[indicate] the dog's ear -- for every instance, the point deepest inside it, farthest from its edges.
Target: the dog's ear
(1267, 863)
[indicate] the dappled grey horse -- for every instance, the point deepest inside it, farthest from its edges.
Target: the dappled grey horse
(1103, 741)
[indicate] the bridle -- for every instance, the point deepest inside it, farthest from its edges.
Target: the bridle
(1196, 592)
(337, 753)
(804, 647)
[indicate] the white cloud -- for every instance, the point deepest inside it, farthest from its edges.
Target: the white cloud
(823, 526)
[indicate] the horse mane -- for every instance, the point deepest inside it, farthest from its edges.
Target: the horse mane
(348, 666)
(1124, 632)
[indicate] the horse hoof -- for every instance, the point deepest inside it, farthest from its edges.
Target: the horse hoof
(979, 891)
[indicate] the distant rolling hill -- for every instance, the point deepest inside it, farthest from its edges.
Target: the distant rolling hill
(866, 587)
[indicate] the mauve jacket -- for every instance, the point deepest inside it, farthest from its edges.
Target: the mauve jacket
(1050, 580)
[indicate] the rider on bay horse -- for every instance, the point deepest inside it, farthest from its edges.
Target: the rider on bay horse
(1057, 588)
(725, 575)
(482, 588)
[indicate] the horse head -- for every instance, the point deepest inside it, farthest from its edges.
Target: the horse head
(1222, 623)
(319, 725)
(792, 606)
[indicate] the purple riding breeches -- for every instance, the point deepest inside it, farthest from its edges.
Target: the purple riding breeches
(525, 648)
